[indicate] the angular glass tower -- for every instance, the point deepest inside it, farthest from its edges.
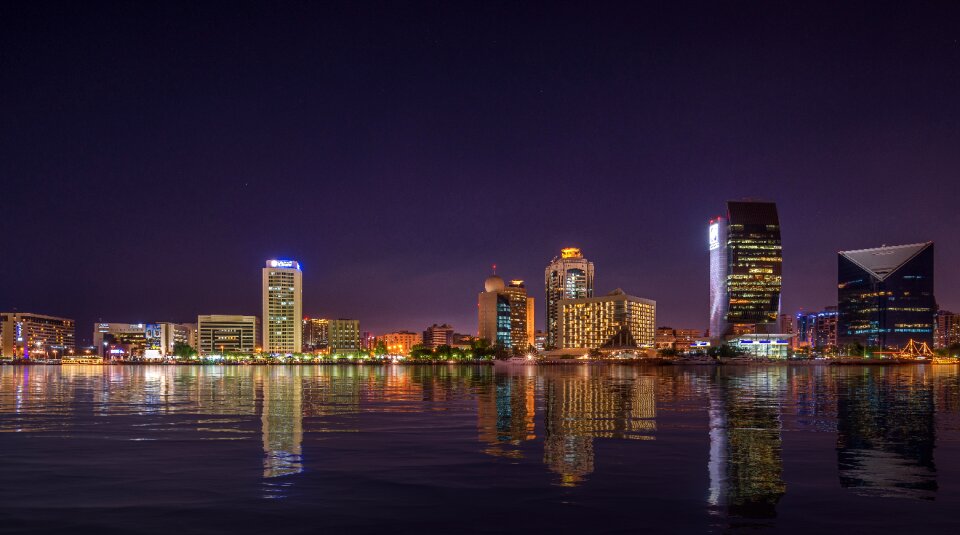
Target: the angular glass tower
(885, 296)
(745, 269)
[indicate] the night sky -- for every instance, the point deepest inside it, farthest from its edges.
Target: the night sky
(153, 156)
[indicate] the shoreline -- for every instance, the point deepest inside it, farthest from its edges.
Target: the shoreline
(504, 364)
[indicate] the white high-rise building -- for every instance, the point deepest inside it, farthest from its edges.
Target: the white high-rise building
(282, 307)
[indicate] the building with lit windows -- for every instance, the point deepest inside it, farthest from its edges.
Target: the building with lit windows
(613, 321)
(222, 333)
(521, 315)
(568, 276)
(151, 340)
(344, 337)
(316, 333)
(26, 335)
(745, 270)
(282, 306)
(825, 329)
(438, 335)
(679, 340)
(539, 340)
(947, 329)
(400, 342)
(885, 296)
(505, 314)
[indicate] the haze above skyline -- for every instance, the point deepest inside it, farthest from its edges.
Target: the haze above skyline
(155, 155)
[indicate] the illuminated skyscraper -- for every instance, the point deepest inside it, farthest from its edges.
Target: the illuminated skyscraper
(282, 307)
(885, 295)
(505, 313)
(745, 269)
(568, 276)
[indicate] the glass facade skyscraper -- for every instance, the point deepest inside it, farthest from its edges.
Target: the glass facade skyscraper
(745, 269)
(885, 296)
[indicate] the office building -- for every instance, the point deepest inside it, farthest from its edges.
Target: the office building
(539, 340)
(400, 342)
(438, 335)
(344, 337)
(150, 340)
(282, 306)
(505, 314)
(825, 329)
(26, 335)
(885, 296)
(613, 321)
(568, 276)
(316, 333)
(745, 270)
(804, 330)
(947, 329)
(224, 334)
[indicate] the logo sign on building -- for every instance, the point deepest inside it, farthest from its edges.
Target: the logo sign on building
(285, 264)
(714, 236)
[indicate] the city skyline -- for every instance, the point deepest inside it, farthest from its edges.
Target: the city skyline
(140, 185)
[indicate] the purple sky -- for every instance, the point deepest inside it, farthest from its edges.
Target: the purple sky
(153, 156)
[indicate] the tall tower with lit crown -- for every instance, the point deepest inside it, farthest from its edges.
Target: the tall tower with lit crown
(568, 276)
(282, 307)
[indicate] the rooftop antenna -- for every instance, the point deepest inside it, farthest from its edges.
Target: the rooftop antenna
(494, 269)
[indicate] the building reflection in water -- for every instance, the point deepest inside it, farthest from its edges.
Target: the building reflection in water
(583, 404)
(746, 458)
(280, 391)
(886, 433)
(505, 412)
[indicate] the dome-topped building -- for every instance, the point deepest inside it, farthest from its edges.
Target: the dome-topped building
(494, 284)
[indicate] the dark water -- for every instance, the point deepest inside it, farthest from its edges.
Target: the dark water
(139, 449)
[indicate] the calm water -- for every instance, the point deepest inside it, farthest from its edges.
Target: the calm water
(140, 449)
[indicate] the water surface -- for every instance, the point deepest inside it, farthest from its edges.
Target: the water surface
(461, 449)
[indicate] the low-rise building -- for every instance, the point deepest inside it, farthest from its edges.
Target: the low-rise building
(344, 337)
(438, 335)
(27, 335)
(150, 340)
(223, 333)
(400, 342)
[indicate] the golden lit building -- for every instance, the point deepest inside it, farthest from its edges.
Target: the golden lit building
(568, 276)
(26, 335)
(616, 320)
(400, 342)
